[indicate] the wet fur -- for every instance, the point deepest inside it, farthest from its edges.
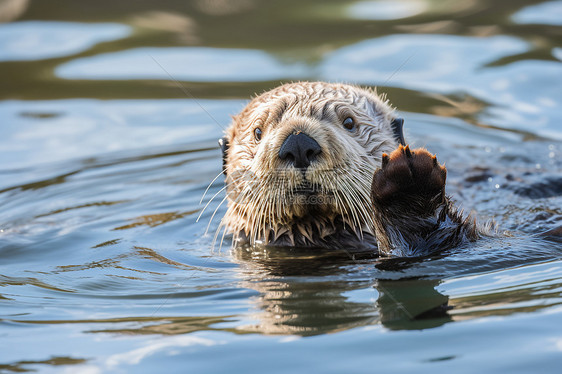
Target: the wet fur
(263, 191)
(413, 215)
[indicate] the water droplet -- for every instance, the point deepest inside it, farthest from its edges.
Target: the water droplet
(490, 179)
(551, 147)
(551, 154)
(497, 186)
(488, 149)
(537, 166)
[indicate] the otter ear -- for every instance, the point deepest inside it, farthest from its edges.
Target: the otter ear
(397, 126)
(223, 143)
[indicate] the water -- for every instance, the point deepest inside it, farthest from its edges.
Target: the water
(110, 115)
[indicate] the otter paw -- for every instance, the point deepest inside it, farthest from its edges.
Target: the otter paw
(408, 173)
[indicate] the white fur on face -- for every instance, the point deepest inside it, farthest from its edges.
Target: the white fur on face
(263, 189)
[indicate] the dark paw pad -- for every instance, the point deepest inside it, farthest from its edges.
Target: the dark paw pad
(408, 173)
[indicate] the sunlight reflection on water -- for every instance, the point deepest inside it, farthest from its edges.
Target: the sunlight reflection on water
(35, 40)
(186, 64)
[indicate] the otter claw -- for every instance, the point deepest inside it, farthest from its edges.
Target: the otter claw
(384, 160)
(410, 173)
(407, 151)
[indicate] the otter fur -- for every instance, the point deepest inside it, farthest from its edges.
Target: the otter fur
(314, 164)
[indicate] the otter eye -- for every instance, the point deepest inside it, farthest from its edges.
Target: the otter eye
(257, 134)
(349, 123)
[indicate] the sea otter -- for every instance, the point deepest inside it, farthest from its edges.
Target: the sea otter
(314, 164)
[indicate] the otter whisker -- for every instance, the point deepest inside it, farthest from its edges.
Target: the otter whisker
(215, 212)
(222, 238)
(364, 200)
(212, 198)
(252, 216)
(209, 186)
(209, 202)
(356, 223)
(266, 213)
(359, 204)
(343, 206)
(221, 225)
(343, 189)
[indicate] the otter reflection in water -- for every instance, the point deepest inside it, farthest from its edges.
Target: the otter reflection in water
(307, 292)
(325, 165)
(304, 294)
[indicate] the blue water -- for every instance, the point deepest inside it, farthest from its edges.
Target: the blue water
(110, 116)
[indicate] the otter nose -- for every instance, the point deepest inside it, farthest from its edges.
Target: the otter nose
(300, 149)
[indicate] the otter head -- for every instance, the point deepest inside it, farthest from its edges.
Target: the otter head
(299, 161)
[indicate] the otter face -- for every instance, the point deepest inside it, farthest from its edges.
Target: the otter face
(299, 161)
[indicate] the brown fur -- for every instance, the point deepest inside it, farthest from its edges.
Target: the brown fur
(413, 215)
(329, 203)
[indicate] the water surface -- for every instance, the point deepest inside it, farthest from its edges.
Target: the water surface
(110, 116)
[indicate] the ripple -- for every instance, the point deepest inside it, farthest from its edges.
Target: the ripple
(195, 64)
(548, 13)
(520, 93)
(385, 10)
(425, 62)
(557, 52)
(104, 127)
(37, 40)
